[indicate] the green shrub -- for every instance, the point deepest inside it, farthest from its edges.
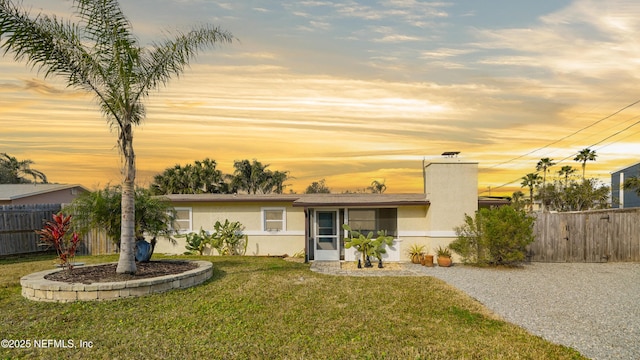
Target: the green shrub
(496, 236)
(197, 242)
(367, 245)
(228, 238)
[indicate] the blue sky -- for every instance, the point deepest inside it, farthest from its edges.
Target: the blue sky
(357, 91)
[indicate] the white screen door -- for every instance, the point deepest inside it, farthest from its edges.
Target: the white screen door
(327, 235)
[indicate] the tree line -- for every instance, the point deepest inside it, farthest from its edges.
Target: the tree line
(199, 177)
(567, 191)
(203, 177)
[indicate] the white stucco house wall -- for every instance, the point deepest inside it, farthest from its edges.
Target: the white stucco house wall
(278, 224)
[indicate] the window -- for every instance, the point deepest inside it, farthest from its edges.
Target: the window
(274, 219)
(372, 220)
(182, 222)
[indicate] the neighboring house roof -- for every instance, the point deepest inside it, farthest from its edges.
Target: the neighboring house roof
(625, 168)
(308, 199)
(10, 192)
(493, 201)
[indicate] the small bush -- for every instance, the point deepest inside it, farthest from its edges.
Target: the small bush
(228, 238)
(497, 236)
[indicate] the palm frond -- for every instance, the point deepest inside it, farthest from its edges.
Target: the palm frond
(173, 55)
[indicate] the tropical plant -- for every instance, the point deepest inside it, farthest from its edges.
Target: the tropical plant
(367, 245)
(443, 251)
(253, 177)
(55, 234)
(201, 177)
(100, 210)
(14, 171)
(380, 243)
(318, 187)
(543, 165)
(377, 187)
(496, 236)
(565, 172)
(531, 180)
(100, 55)
(415, 252)
(228, 238)
(196, 243)
(583, 156)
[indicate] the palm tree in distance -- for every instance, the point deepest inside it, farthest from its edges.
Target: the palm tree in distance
(100, 55)
(377, 187)
(543, 165)
(583, 156)
(14, 171)
(516, 199)
(531, 180)
(565, 172)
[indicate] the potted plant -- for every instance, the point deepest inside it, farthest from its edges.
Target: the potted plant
(444, 256)
(415, 253)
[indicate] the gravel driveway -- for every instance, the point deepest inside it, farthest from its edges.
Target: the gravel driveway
(593, 308)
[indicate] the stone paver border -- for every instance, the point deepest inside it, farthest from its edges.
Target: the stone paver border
(36, 287)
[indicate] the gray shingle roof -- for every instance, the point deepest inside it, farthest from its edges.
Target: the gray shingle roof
(308, 199)
(17, 191)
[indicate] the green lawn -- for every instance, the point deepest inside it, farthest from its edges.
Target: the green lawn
(268, 308)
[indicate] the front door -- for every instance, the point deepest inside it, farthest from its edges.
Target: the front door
(327, 235)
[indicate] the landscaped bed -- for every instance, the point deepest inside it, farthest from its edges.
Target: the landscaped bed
(101, 282)
(265, 308)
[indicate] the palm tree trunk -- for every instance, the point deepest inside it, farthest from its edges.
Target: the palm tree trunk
(126, 262)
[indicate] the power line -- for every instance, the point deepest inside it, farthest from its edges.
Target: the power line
(574, 133)
(570, 135)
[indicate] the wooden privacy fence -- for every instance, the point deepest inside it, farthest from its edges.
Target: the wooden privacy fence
(589, 236)
(97, 243)
(18, 224)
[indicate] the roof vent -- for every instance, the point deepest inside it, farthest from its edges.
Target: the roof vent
(450, 154)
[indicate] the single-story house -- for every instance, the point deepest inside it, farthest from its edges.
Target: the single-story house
(27, 194)
(626, 198)
(278, 224)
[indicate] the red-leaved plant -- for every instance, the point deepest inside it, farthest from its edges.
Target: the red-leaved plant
(54, 233)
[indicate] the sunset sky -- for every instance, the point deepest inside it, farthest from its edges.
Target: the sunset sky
(356, 91)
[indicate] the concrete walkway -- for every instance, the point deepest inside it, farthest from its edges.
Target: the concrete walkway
(333, 268)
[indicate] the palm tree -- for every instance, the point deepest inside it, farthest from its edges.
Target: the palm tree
(565, 172)
(13, 171)
(197, 178)
(543, 165)
(100, 55)
(377, 187)
(531, 180)
(583, 156)
(275, 181)
(254, 177)
(516, 200)
(247, 175)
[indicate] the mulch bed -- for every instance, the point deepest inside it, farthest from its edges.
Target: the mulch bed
(107, 272)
